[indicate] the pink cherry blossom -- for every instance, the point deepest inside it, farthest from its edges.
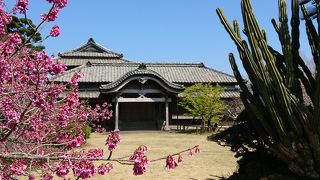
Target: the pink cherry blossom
(18, 167)
(84, 169)
(197, 149)
(5, 19)
(10, 44)
(77, 141)
(105, 168)
(74, 80)
(101, 113)
(47, 176)
(31, 177)
(171, 163)
(55, 31)
(140, 165)
(44, 165)
(59, 3)
(53, 15)
(140, 160)
(14, 39)
(22, 5)
(3, 176)
(190, 153)
(62, 169)
(113, 140)
(180, 158)
(2, 29)
(95, 153)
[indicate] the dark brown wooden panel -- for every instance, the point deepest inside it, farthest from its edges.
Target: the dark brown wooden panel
(141, 116)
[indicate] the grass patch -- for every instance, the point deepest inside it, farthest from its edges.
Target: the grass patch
(213, 161)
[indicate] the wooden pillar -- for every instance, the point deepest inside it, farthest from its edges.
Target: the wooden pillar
(167, 115)
(177, 100)
(116, 128)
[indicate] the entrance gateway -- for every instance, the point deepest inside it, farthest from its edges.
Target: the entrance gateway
(143, 98)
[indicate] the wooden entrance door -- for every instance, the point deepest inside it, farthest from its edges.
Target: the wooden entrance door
(141, 116)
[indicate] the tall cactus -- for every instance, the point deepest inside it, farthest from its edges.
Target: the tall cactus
(289, 128)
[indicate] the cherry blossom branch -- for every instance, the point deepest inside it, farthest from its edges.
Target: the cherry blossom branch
(110, 154)
(174, 154)
(120, 161)
(53, 158)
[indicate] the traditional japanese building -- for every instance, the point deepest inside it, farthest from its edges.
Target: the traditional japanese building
(144, 95)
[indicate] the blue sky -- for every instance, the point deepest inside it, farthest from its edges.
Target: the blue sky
(158, 30)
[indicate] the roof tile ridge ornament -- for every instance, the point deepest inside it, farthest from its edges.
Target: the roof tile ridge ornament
(90, 40)
(142, 66)
(89, 63)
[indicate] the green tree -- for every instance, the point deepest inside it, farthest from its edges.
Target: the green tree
(203, 101)
(27, 30)
(275, 103)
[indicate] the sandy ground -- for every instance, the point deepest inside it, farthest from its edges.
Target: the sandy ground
(213, 162)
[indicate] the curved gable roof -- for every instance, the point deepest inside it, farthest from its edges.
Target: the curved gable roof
(142, 74)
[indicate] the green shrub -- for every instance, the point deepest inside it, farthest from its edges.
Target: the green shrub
(87, 131)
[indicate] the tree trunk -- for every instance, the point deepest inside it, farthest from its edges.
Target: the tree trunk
(209, 125)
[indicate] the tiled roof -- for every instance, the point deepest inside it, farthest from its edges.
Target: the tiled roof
(91, 49)
(230, 94)
(80, 61)
(173, 72)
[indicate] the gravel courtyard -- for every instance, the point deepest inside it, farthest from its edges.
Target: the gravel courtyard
(214, 161)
